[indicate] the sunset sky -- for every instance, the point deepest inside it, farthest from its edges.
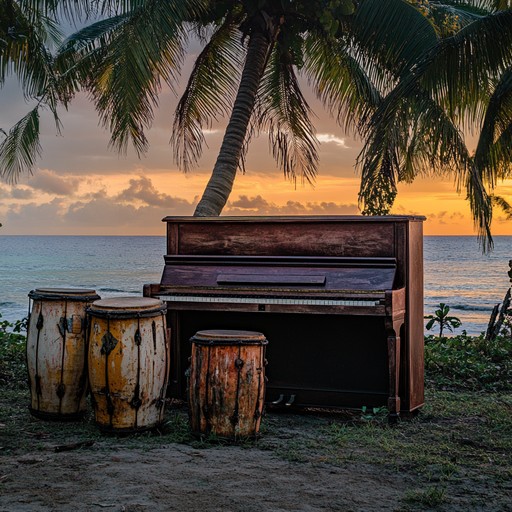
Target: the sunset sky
(81, 187)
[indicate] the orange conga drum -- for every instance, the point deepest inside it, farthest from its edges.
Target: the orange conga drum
(227, 383)
(56, 352)
(128, 363)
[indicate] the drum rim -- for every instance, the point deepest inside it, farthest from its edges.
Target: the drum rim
(71, 294)
(228, 337)
(148, 308)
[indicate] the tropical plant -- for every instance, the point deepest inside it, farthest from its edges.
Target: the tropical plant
(463, 82)
(28, 32)
(122, 59)
(372, 63)
(442, 318)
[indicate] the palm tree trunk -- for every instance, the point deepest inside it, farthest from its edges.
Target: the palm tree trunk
(219, 186)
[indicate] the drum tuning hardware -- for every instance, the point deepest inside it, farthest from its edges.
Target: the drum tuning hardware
(61, 390)
(239, 363)
(108, 343)
(75, 324)
(62, 326)
(40, 322)
(138, 337)
(136, 402)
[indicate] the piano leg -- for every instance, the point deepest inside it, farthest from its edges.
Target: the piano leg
(394, 375)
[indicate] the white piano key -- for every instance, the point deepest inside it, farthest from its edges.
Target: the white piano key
(269, 300)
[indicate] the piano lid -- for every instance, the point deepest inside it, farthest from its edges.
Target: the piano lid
(275, 274)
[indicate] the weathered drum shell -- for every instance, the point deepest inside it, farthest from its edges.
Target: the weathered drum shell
(57, 353)
(226, 388)
(128, 363)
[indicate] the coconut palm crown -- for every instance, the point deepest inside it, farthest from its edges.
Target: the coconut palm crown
(403, 74)
(460, 85)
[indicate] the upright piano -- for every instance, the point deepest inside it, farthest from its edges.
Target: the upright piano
(339, 298)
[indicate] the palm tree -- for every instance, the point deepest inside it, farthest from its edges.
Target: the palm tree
(359, 62)
(272, 42)
(462, 82)
(28, 31)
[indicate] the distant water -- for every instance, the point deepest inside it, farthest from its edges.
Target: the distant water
(456, 273)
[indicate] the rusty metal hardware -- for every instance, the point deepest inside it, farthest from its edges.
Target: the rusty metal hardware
(108, 343)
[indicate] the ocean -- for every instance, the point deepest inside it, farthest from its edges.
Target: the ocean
(456, 272)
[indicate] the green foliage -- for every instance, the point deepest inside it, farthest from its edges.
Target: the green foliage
(431, 497)
(13, 373)
(442, 318)
(468, 362)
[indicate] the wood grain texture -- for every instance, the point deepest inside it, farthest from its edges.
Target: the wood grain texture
(379, 257)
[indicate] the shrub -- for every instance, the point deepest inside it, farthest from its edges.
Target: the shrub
(469, 362)
(13, 372)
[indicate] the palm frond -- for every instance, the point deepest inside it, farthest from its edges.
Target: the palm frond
(481, 207)
(285, 114)
(502, 203)
(390, 36)
(493, 149)
(20, 148)
(25, 51)
(458, 81)
(209, 93)
(137, 50)
(339, 81)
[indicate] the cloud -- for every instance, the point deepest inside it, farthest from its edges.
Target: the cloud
(4, 193)
(98, 213)
(257, 205)
(21, 193)
(330, 138)
(51, 183)
(142, 189)
(244, 202)
(35, 218)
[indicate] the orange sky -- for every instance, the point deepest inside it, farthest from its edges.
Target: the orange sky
(81, 187)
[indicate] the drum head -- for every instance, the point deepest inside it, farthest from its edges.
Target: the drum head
(126, 306)
(64, 294)
(229, 337)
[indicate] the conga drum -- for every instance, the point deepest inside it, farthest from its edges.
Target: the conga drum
(226, 388)
(128, 363)
(56, 352)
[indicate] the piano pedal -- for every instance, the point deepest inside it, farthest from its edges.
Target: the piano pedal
(279, 401)
(290, 401)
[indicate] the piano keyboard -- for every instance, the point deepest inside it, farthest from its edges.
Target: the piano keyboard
(269, 300)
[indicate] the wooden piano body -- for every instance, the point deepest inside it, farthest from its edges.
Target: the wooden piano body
(339, 298)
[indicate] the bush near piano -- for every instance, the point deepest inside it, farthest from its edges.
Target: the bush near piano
(477, 363)
(469, 362)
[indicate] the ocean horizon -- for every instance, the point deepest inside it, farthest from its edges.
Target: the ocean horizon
(455, 271)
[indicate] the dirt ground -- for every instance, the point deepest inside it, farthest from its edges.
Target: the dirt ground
(300, 463)
(179, 478)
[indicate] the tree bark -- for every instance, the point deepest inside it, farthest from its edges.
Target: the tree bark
(219, 186)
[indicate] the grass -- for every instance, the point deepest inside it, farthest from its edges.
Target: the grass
(456, 454)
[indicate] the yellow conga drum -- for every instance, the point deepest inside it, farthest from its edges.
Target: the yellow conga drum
(227, 383)
(56, 352)
(128, 363)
